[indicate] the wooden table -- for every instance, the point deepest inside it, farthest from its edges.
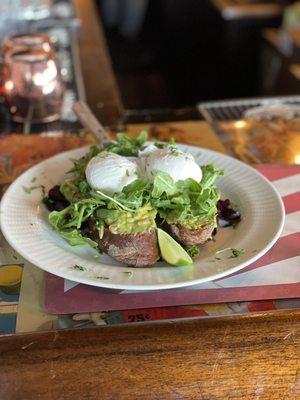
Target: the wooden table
(241, 357)
(249, 357)
(254, 357)
(101, 88)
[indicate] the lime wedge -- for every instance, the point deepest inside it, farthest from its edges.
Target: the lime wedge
(171, 251)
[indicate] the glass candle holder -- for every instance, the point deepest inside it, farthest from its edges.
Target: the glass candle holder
(33, 86)
(30, 41)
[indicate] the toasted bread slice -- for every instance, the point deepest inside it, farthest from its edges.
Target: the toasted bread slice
(191, 236)
(139, 250)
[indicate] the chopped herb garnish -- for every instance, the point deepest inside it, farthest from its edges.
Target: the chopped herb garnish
(15, 257)
(79, 267)
(43, 190)
(193, 251)
(223, 250)
(174, 151)
(234, 252)
(103, 277)
(128, 273)
(127, 172)
(30, 189)
(33, 179)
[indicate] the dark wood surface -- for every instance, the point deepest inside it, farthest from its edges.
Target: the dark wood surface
(281, 62)
(102, 92)
(253, 357)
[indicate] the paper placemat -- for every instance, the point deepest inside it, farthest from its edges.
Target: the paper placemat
(275, 275)
(25, 311)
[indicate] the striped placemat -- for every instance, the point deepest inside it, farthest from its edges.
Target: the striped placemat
(275, 275)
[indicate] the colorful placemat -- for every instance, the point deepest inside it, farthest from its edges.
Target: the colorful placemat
(25, 311)
(32, 315)
(275, 275)
(120, 317)
(18, 153)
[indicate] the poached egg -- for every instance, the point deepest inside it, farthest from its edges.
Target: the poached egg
(174, 162)
(110, 172)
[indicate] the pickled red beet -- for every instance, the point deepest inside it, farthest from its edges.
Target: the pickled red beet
(227, 216)
(55, 200)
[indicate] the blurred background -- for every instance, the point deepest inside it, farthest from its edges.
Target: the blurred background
(124, 56)
(173, 53)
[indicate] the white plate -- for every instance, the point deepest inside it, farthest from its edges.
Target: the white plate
(25, 226)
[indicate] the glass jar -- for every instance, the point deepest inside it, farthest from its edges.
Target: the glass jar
(33, 86)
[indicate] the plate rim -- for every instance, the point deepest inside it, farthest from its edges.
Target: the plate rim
(146, 287)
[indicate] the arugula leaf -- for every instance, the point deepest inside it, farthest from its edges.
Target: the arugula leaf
(68, 221)
(76, 187)
(187, 202)
(142, 137)
(190, 185)
(113, 201)
(209, 175)
(135, 195)
(193, 251)
(138, 185)
(80, 164)
(75, 238)
(74, 214)
(163, 183)
(126, 146)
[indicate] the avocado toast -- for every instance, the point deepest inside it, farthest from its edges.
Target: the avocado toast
(114, 199)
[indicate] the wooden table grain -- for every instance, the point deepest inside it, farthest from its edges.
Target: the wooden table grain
(249, 357)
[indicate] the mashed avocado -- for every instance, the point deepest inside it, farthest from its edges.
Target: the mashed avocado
(196, 221)
(75, 190)
(70, 191)
(123, 222)
(200, 222)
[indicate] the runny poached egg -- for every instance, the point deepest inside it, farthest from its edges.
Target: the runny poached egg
(110, 172)
(174, 162)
